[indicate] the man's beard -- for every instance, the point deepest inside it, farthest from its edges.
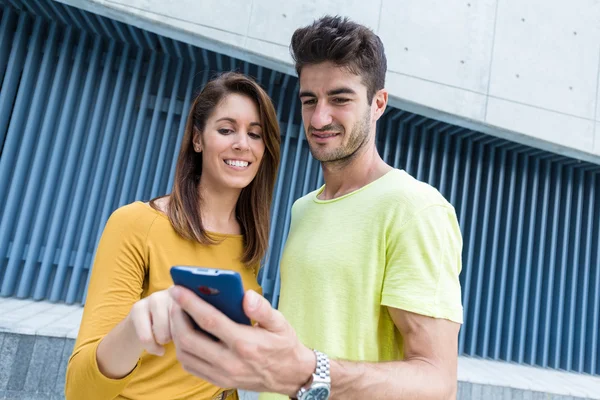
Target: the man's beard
(345, 153)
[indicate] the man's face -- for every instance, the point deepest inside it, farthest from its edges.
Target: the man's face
(337, 118)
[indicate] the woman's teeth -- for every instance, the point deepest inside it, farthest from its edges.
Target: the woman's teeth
(236, 163)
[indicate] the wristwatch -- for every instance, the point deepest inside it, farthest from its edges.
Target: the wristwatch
(319, 385)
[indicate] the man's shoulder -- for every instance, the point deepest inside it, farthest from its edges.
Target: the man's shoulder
(305, 200)
(404, 191)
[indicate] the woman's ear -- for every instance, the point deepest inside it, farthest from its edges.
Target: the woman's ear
(197, 141)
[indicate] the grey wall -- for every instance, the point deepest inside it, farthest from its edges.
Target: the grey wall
(33, 368)
(524, 70)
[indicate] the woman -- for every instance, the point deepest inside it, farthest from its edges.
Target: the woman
(217, 216)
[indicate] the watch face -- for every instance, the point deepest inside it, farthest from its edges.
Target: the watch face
(318, 393)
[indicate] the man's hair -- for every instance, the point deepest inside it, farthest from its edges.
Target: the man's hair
(344, 43)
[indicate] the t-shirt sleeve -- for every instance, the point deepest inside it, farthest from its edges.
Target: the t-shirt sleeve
(115, 285)
(423, 263)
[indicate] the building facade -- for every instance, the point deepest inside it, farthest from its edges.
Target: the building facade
(93, 103)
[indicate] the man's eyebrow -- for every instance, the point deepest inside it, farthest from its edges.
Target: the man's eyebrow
(343, 90)
(233, 121)
(306, 93)
(332, 92)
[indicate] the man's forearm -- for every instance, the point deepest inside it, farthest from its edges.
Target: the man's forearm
(414, 379)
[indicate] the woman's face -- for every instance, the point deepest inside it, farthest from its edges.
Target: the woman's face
(232, 144)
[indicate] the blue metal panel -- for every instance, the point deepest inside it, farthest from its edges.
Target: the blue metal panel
(92, 114)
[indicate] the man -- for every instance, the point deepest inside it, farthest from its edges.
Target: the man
(369, 275)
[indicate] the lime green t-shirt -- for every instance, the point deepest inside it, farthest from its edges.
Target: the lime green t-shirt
(393, 243)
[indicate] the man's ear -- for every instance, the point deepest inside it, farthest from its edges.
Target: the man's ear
(380, 100)
(197, 140)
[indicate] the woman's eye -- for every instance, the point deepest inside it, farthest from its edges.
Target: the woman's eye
(224, 131)
(254, 135)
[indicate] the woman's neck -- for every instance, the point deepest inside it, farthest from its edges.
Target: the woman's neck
(219, 208)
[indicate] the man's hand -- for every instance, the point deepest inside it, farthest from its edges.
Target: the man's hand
(266, 357)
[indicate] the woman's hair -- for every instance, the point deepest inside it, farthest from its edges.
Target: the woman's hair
(253, 206)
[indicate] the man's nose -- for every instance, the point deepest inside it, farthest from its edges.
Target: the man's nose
(321, 116)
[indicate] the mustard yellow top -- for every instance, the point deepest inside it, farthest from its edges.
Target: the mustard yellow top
(133, 259)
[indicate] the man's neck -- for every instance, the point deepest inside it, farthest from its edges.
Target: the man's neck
(218, 208)
(364, 168)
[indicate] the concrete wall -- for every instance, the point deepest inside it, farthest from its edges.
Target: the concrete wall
(33, 368)
(525, 70)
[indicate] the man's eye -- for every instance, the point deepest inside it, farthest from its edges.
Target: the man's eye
(224, 131)
(341, 100)
(309, 102)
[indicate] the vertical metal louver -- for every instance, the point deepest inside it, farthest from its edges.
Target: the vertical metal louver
(91, 117)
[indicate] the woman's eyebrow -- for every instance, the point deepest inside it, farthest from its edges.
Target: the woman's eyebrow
(233, 121)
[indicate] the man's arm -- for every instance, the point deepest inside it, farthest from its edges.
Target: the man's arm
(268, 357)
(428, 370)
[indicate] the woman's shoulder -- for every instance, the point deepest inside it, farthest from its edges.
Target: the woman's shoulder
(137, 215)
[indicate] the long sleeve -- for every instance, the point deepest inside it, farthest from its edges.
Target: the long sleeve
(117, 282)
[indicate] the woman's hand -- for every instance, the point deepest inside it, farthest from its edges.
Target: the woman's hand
(149, 319)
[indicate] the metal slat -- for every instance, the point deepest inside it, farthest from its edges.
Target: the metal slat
(7, 26)
(445, 165)
(533, 354)
(187, 101)
(550, 281)
(127, 186)
(12, 146)
(411, 148)
(398, 150)
(99, 177)
(60, 208)
(494, 256)
(470, 237)
(425, 136)
(505, 259)
(387, 124)
(151, 138)
(288, 211)
(570, 345)
(587, 263)
(479, 294)
(118, 159)
(455, 170)
(517, 263)
(595, 317)
(24, 160)
(30, 201)
(54, 171)
(310, 162)
(528, 262)
(12, 81)
(157, 186)
(560, 300)
(434, 158)
(80, 189)
(269, 263)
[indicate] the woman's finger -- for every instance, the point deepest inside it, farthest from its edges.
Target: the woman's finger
(142, 323)
(159, 308)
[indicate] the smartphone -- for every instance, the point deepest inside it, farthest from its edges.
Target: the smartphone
(221, 288)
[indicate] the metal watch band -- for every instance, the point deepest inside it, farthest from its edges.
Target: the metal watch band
(322, 370)
(320, 376)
